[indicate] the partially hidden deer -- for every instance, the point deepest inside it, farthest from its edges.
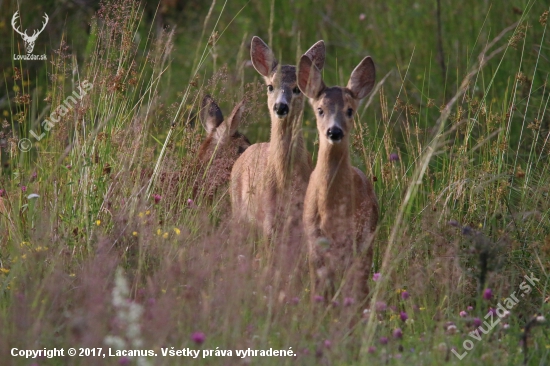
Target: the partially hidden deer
(216, 155)
(268, 182)
(221, 148)
(340, 207)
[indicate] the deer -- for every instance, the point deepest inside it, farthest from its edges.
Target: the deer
(29, 40)
(340, 206)
(216, 154)
(269, 180)
(223, 145)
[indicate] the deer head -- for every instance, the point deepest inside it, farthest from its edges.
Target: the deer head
(29, 40)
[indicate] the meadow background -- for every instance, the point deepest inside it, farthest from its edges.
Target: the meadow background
(112, 254)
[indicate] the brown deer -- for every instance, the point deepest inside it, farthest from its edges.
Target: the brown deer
(223, 145)
(268, 182)
(216, 155)
(340, 207)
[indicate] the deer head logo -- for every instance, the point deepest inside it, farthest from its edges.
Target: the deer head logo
(29, 40)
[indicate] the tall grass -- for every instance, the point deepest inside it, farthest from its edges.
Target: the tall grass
(459, 155)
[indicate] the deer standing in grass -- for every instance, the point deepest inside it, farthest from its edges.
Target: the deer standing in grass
(340, 207)
(216, 155)
(222, 147)
(268, 182)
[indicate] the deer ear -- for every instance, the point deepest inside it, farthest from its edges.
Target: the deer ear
(211, 115)
(317, 54)
(235, 118)
(262, 57)
(362, 78)
(310, 80)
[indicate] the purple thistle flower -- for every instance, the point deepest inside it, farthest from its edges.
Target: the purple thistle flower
(348, 301)
(2, 192)
(380, 306)
(327, 343)
(198, 337)
(477, 322)
(376, 276)
(492, 311)
(335, 303)
(394, 157)
(453, 223)
(157, 198)
(384, 340)
(318, 298)
(398, 333)
(372, 349)
(488, 294)
(463, 314)
(470, 308)
(405, 295)
(403, 315)
(24, 188)
(295, 300)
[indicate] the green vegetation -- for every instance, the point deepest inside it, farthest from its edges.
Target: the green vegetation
(112, 253)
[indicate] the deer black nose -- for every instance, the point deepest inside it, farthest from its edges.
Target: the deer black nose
(335, 133)
(281, 109)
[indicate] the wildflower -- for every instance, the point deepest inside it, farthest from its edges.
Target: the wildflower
(492, 311)
(505, 325)
(198, 337)
(318, 298)
(372, 349)
(362, 16)
(2, 192)
(157, 198)
(69, 167)
(335, 303)
(376, 276)
(148, 212)
(98, 222)
(451, 329)
(295, 300)
(403, 315)
(405, 295)
(191, 203)
(506, 313)
(470, 308)
(398, 333)
(348, 301)
(477, 322)
(466, 230)
(135, 233)
(24, 188)
(165, 236)
(487, 294)
(123, 361)
(541, 319)
(4, 270)
(327, 343)
(383, 340)
(453, 223)
(394, 157)
(380, 306)
(463, 314)
(177, 231)
(140, 214)
(159, 231)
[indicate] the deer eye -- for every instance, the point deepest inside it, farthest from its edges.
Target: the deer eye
(296, 90)
(350, 112)
(320, 111)
(270, 88)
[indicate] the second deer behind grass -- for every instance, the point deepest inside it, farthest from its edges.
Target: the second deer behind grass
(340, 207)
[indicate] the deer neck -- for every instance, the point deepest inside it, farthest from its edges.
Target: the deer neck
(286, 148)
(333, 169)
